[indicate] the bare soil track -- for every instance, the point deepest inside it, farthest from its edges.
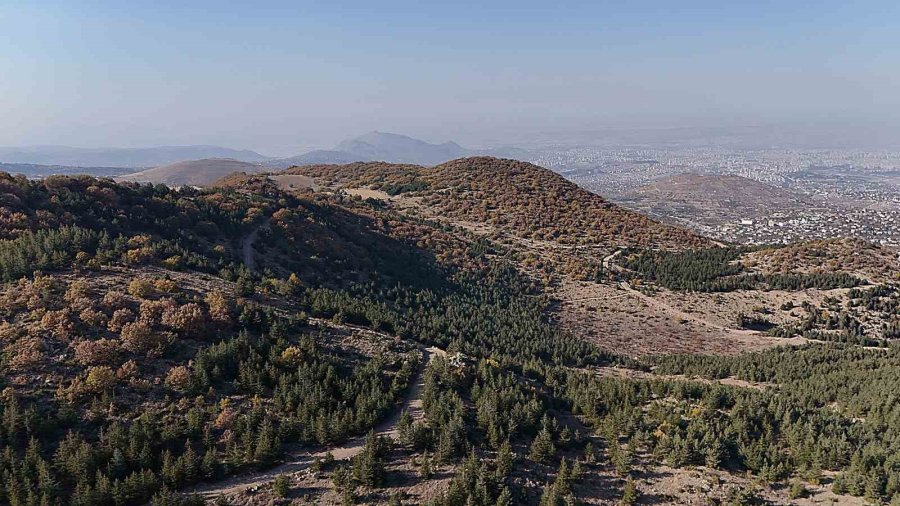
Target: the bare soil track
(302, 459)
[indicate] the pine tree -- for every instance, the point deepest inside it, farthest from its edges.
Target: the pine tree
(425, 466)
(265, 443)
(210, 464)
(797, 490)
(630, 494)
(404, 428)
(505, 497)
(589, 454)
(368, 465)
(550, 496)
(563, 478)
(505, 460)
(577, 471)
(189, 463)
(170, 473)
(542, 448)
(281, 485)
(565, 437)
(341, 478)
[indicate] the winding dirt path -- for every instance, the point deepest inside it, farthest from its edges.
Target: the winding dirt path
(609, 265)
(300, 460)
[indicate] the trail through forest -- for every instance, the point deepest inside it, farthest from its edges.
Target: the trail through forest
(300, 460)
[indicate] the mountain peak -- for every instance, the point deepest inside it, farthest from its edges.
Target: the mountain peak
(399, 148)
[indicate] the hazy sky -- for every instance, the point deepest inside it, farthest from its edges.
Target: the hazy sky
(280, 77)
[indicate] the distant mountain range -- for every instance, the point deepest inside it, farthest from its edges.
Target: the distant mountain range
(201, 165)
(121, 157)
(373, 146)
(393, 148)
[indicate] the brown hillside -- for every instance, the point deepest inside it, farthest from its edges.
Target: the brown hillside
(515, 197)
(711, 198)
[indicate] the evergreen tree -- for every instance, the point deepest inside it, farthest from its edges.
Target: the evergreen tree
(542, 448)
(630, 493)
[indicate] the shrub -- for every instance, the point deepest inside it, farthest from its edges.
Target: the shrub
(281, 485)
(138, 337)
(99, 352)
(187, 319)
(141, 288)
(115, 300)
(179, 378)
(100, 378)
(120, 318)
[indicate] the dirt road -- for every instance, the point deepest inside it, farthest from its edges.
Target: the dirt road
(299, 461)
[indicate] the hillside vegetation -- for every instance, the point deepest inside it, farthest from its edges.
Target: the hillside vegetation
(516, 197)
(864, 259)
(155, 339)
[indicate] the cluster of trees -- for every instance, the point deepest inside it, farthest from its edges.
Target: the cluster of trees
(865, 316)
(494, 313)
(884, 302)
(872, 261)
(415, 185)
(717, 270)
(833, 409)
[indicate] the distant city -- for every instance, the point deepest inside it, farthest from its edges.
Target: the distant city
(840, 193)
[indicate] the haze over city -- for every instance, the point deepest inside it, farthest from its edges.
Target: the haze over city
(283, 77)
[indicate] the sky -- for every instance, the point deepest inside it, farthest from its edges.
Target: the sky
(282, 77)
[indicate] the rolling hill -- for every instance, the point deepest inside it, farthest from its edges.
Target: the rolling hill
(711, 199)
(511, 196)
(193, 172)
(381, 146)
(319, 156)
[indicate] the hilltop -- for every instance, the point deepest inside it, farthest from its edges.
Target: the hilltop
(511, 196)
(551, 225)
(400, 149)
(192, 172)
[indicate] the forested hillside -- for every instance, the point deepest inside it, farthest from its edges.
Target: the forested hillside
(158, 342)
(513, 196)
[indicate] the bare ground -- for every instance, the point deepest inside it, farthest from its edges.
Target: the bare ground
(619, 318)
(295, 182)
